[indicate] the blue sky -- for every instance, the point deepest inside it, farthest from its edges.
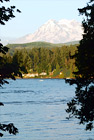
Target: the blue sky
(36, 12)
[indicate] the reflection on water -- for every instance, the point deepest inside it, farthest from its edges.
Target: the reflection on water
(37, 108)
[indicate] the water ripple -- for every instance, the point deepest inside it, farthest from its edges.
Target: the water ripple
(53, 102)
(38, 111)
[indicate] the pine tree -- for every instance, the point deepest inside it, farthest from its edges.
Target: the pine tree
(82, 105)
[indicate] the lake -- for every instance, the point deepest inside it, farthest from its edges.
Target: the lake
(37, 108)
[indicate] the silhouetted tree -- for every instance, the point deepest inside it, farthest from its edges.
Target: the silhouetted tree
(6, 70)
(82, 105)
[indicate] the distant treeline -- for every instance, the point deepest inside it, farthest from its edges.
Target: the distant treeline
(36, 60)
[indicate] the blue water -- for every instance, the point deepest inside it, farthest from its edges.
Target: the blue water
(37, 108)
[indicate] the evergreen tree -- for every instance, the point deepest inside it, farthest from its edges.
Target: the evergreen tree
(82, 105)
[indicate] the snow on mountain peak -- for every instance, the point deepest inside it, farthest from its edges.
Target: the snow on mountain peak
(56, 32)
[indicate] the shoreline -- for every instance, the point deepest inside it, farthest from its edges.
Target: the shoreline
(45, 78)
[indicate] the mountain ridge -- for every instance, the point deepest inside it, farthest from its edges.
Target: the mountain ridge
(40, 44)
(53, 31)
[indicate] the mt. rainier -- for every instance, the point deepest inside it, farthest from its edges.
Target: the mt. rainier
(56, 32)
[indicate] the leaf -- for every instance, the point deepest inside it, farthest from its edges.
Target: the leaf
(1, 104)
(1, 135)
(5, 49)
(18, 11)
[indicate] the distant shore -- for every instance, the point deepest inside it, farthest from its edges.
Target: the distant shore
(44, 78)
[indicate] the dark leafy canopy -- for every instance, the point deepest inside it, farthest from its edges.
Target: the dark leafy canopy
(6, 71)
(82, 105)
(6, 13)
(10, 128)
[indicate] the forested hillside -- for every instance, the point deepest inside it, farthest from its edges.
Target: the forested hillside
(40, 44)
(31, 45)
(53, 62)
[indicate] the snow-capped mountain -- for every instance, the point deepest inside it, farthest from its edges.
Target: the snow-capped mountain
(55, 32)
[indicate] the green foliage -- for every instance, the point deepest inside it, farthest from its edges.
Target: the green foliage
(57, 70)
(21, 61)
(45, 60)
(31, 45)
(82, 105)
